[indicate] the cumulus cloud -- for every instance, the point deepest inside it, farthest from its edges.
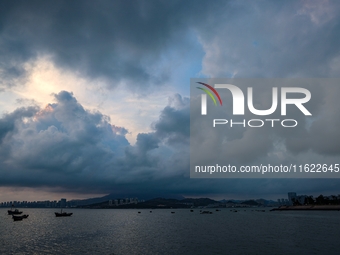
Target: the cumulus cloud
(63, 140)
(65, 145)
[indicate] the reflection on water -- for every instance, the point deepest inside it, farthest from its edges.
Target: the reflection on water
(161, 232)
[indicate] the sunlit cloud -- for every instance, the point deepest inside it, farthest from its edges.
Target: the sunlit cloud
(126, 109)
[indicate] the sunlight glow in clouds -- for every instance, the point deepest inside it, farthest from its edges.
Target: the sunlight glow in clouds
(126, 109)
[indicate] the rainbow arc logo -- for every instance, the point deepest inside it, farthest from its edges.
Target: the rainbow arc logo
(204, 97)
(209, 93)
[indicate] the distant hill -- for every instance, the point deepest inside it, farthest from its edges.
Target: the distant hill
(230, 201)
(112, 196)
(250, 202)
(161, 203)
(90, 201)
(259, 201)
(168, 201)
(199, 201)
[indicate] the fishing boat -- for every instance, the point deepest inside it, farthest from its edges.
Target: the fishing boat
(15, 212)
(62, 214)
(19, 217)
(206, 212)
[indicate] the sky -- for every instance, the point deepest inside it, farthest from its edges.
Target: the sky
(95, 95)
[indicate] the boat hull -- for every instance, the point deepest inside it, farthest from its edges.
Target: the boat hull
(64, 214)
(18, 218)
(13, 212)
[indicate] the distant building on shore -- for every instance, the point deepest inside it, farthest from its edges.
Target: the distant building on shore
(63, 202)
(293, 198)
(126, 201)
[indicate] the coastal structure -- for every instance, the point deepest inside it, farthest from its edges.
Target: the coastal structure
(126, 201)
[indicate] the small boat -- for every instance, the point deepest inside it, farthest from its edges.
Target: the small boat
(20, 217)
(15, 212)
(62, 214)
(206, 212)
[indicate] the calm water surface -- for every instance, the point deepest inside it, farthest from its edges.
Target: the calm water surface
(123, 232)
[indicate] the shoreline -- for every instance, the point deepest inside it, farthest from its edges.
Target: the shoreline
(308, 208)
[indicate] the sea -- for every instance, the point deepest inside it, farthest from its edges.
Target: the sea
(171, 231)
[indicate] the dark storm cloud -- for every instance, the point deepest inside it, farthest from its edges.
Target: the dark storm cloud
(64, 145)
(8, 122)
(274, 39)
(174, 121)
(117, 40)
(56, 144)
(129, 40)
